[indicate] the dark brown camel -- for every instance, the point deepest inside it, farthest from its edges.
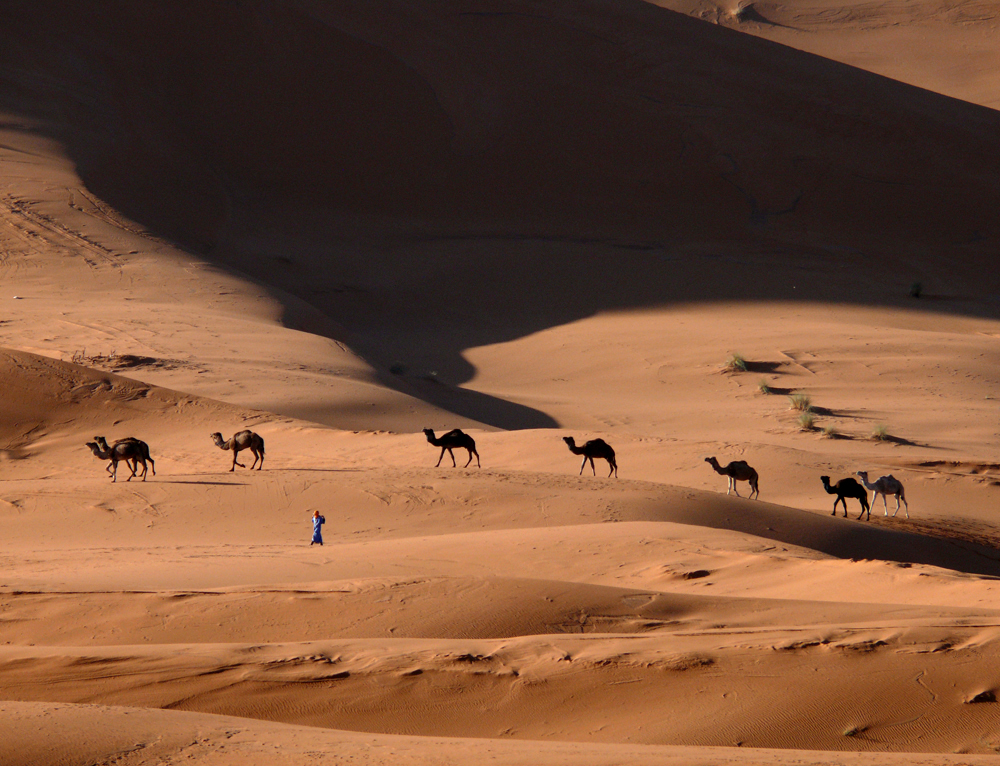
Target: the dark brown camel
(452, 440)
(242, 440)
(594, 448)
(738, 470)
(130, 450)
(847, 488)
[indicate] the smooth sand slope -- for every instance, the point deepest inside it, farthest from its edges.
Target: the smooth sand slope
(336, 224)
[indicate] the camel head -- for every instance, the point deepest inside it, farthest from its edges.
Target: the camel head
(712, 461)
(98, 452)
(429, 433)
(217, 438)
(570, 441)
(825, 479)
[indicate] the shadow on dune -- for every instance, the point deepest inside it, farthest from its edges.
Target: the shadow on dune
(438, 177)
(928, 543)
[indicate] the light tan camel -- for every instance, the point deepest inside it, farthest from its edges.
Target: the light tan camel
(594, 448)
(453, 439)
(130, 450)
(241, 441)
(738, 470)
(886, 485)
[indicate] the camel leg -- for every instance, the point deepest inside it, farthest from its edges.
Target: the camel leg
(885, 505)
(611, 469)
(470, 459)
(440, 458)
(592, 468)
(582, 466)
(478, 464)
(736, 488)
(906, 505)
(452, 453)
(255, 456)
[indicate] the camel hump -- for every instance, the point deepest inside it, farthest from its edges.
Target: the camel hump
(453, 433)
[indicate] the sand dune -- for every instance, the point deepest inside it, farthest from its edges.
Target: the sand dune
(339, 223)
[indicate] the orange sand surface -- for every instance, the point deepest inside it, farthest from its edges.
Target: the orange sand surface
(338, 223)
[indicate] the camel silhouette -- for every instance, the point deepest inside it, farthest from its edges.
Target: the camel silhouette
(452, 440)
(594, 448)
(847, 488)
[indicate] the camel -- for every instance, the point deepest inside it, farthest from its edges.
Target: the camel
(242, 440)
(886, 485)
(847, 488)
(130, 450)
(450, 441)
(738, 470)
(590, 450)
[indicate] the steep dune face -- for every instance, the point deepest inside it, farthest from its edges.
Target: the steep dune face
(591, 119)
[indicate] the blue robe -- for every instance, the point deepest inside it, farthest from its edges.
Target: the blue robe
(318, 521)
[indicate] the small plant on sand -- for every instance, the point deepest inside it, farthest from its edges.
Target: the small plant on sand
(880, 433)
(735, 363)
(763, 387)
(800, 402)
(830, 433)
(853, 731)
(807, 421)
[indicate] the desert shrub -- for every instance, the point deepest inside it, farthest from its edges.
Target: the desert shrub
(880, 433)
(800, 402)
(806, 421)
(763, 387)
(830, 432)
(735, 363)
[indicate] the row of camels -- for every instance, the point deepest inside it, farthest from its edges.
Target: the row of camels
(458, 439)
(740, 470)
(133, 452)
(736, 471)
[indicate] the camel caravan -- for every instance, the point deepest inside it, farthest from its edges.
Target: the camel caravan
(134, 452)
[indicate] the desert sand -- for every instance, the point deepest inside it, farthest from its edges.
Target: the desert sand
(336, 224)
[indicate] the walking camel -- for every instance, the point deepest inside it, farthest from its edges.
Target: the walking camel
(886, 485)
(847, 488)
(130, 450)
(452, 440)
(242, 440)
(738, 470)
(590, 450)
